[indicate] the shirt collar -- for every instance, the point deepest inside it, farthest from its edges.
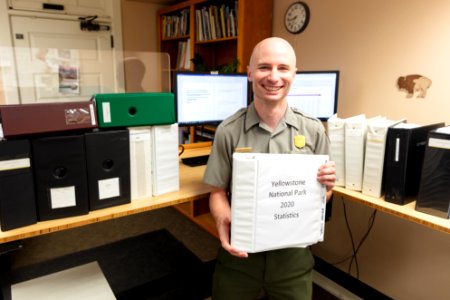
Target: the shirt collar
(291, 119)
(252, 119)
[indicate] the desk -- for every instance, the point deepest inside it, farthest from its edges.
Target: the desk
(191, 189)
(406, 211)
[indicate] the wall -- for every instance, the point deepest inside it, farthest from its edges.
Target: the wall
(139, 25)
(140, 47)
(373, 43)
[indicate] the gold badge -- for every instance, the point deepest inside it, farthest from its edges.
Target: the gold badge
(243, 149)
(299, 141)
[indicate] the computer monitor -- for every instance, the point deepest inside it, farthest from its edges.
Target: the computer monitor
(315, 93)
(208, 98)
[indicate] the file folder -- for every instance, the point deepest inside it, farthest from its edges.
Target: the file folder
(277, 201)
(434, 191)
(108, 168)
(374, 156)
(140, 162)
(17, 199)
(405, 149)
(59, 166)
(135, 109)
(37, 118)
(165, 164)
(336, 134)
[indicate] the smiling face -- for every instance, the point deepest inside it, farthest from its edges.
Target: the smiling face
(272, 70)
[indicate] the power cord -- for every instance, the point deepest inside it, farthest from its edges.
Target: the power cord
(180, 149)
(355, 249)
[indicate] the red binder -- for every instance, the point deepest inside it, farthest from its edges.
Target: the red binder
(24, 119)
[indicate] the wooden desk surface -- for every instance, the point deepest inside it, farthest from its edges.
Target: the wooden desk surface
(191, 188)
(406, 211)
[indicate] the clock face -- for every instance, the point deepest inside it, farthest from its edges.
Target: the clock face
(297, 17)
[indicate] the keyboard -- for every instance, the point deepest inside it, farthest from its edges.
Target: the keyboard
(195, 160)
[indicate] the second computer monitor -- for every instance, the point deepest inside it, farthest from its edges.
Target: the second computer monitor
(315, 93)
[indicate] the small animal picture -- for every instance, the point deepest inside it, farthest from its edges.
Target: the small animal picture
(412, 84)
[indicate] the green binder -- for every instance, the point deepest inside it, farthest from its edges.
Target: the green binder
(135, 109)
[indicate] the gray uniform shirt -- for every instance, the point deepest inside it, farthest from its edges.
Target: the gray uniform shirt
(296, 133)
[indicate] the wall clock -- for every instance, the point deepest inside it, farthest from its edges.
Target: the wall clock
(296, 17)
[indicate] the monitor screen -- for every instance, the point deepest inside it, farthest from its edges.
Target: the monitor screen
(208, 98)
(315, 93)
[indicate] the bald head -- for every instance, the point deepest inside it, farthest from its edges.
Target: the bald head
(273, 47)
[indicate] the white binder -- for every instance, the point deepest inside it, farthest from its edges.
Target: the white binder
(165, 165)
(277, 201)
(355, 133)
(374, 156)
(336, 133)
(140, 162)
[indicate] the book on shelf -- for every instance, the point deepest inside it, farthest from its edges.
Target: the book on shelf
(222, 21)
(212, 23)
(184, 55)
(176, 25)
(216, 16)
(199, 25)
(215, 22)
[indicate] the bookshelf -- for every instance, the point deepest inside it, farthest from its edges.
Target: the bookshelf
(231, 37)
(228, 50)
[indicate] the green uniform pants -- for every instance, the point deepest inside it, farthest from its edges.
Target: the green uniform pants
(283, 274)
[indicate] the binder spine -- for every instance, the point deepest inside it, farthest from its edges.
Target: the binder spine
(337, 149)
(354, 155)
(374, 160)
(434, 188)
(243, 214)
(140, 162)
(395, 176)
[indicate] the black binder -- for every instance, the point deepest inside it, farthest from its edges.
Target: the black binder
(17, 200)
(60, 176)
(405, 149)
(434, 190)
(108, 168)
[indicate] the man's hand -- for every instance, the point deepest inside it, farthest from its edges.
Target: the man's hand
(326, 175)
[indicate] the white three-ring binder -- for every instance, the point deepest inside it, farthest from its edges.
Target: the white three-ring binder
(277, 201)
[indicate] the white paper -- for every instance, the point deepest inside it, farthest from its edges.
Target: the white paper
(82, 282)
(92, 111)
(277, 201)
(13, 164)
(106, 107)
(445, 130)
(108, 188)
(62, 197)
(439, 143)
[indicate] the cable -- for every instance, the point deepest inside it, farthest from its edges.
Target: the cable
(353, 257)
(180, 149)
